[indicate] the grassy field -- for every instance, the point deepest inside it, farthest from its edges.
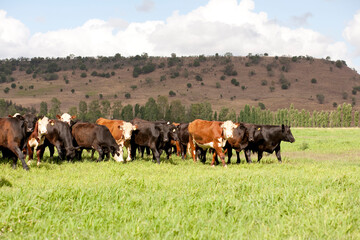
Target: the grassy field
(314, 194)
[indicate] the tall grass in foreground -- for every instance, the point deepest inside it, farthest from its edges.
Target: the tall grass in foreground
(314, 194)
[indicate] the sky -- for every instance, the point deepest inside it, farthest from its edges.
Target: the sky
(318, 28)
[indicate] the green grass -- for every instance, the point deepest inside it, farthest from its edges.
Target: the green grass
(314, 194)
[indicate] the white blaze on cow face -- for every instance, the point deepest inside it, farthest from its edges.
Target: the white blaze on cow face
(127, 130)
(66, 118)
(228, 129)
(119, 155)
(42, 126)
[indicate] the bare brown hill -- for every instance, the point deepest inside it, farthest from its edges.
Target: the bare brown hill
(277, 82)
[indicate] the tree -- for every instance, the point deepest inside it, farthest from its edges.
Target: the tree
(176, 112)
(151, 111)
(163, 106)
(94, 111)
(73, 111)
(55, 108)
(82, 110)
(105, 108)
(223, 114)
(43, 109)
(116, 110)
(127, 113)
(137, 110)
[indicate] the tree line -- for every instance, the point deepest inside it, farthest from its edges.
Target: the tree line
(161, 109)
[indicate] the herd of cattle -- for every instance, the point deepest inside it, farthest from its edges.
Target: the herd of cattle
(21, 135)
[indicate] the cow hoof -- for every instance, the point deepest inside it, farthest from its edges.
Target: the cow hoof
(128, 160)
(213, 166)
(38, 164)
(225, 166)
(29, 162)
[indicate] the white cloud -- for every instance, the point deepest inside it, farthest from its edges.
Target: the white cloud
(220, 26)
(352, 32)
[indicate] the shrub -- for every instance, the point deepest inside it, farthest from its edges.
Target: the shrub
(6, 90)
(196, 63)
(222, 77)
(87, 96)
(198, 78)
(252, 73)
(320, 98)
(133, 87)
(285, 84)
(189, 85)
(235, 82)
(136, 71)
(264, 83)
(29, 71)
(72, 90)
(21, 87)
(272, 88)
(31, 87)
(162, 78)
(101, 96)
(113, 73)
(218, 85)
(338, 64)
(83, 75)
(13, 85)
(334, 104)
(344, 95)
(313, 80)
(94, 73)
(51, 76)
(172, 93)
(174, 74)
(262, 106)
(127, 95)
(354, 91)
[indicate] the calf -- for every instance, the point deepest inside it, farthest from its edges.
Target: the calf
(121, 131)
(98, 137)
(67, 118)
(37, 138)
(58, 135)
(210, 134)
(267, 138)
(155, 135)
(13, 137)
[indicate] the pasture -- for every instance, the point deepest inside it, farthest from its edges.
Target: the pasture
(314, 194)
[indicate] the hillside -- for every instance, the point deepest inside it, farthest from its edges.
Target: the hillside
(274, 81)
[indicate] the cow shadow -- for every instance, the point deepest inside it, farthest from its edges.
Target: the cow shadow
(4, 182)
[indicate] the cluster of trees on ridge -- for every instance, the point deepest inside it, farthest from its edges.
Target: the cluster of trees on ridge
(175, 111)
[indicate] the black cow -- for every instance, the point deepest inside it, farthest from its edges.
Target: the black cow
(155, 135)
(58, 135)
(98, 137)
(267, 138)
(13, 138)
(183, 134)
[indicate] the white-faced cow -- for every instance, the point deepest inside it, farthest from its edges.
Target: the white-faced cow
(67, 118)
(210, 134)
(121, 131)
(37, 138)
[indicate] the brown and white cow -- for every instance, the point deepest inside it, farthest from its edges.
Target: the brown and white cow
(37, 138)
(121, 131)
(65, 117)
(210, 134)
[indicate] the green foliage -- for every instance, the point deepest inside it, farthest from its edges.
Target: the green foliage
(127, 113)
(172, 93)
(127, 95)
(198, 78)
(229, 70)
(133, 87)
(264, 82)
(6, 90)
(222, 77)
(13, 85)
(72, 90)
(261, 106)
(313, 80)
(285, 84)
(83, 75)
(196, 63)
(51, 77)
(55, 108)
(218, 85)
(320, 98)
(235, 82)
(189, 85)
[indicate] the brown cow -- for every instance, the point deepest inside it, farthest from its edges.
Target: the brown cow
(121, 131)
(210, 134)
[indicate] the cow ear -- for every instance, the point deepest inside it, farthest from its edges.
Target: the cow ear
(135, 127)
(58, 116)
(73, 117)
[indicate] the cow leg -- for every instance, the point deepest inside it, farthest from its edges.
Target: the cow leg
(192, 147)
(220, 153)
(183, 151)
(247, 156)
(156, 155)
(128, 150)
(101, 154)
(229, 152)
(260, 154)
(19, 154)
(278, 155)
(238, 157)
(30, 153)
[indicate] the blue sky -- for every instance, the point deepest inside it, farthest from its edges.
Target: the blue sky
(317, 28)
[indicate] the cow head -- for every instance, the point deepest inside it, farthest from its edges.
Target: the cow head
(67, 118)
(42, 126)
(116, 151)
(173, 133)
(287, 135)
(228, 129)
(127, 129)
